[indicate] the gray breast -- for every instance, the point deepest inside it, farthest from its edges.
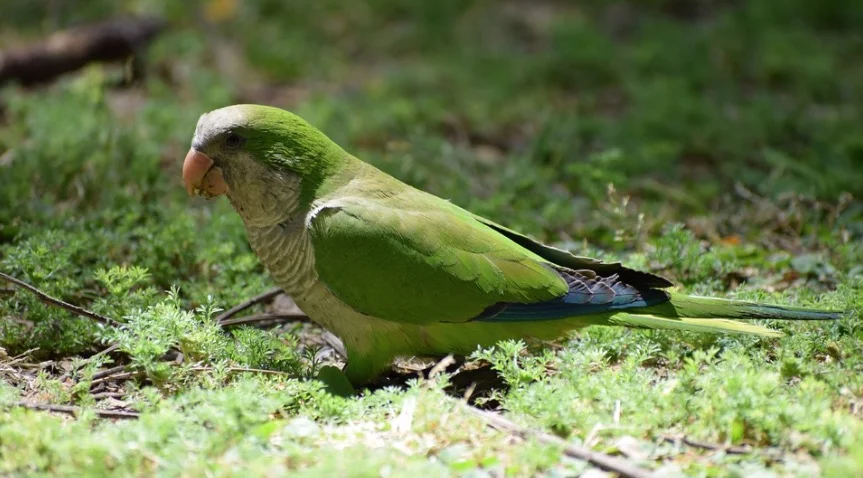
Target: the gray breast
(286, 251)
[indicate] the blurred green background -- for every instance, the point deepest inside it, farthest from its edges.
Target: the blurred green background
(522, 110)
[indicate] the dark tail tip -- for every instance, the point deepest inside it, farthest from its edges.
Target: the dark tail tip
(788, 313)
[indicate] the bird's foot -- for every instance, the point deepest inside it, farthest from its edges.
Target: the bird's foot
(335, 381)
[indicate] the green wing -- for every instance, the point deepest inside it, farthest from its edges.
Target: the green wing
(408, 256)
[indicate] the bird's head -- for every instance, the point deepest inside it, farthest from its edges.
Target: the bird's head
(268, 161)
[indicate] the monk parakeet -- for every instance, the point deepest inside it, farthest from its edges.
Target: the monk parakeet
(395, 271)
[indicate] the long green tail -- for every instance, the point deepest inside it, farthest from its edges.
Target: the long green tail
(707, 314)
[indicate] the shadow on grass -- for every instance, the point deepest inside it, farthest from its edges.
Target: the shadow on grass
(475, 383)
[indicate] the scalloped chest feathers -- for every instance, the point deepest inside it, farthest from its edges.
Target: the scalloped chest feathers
(286, 251)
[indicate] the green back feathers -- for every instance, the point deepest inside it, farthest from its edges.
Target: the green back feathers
(399, 254)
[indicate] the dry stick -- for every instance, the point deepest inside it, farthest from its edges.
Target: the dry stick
(245, 305)
(606, 462)
(111, 378)
(59, 303)
(22, 356)
(108, 350)
(97, 396)
(441, 365)
(107, 372)
(251, 319)
(74, 411)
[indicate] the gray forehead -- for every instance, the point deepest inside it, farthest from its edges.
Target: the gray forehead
(215, 123)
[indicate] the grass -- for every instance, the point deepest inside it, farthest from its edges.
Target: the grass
(717, 144)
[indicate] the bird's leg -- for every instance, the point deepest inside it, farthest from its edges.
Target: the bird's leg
(362, 369)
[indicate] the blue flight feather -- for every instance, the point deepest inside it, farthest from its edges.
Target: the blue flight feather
(588, 294)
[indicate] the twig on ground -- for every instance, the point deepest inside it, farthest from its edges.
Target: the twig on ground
(733, 450)
(75, 411)
(468, 392)
(441, 365)
(59, 303)
(112, 378)
(97, 396)
(38, 366)
(245, 305)
(606, 462)
(109, 371)
(22, 356)
(251, 319)
(25, 353)
(108, 350)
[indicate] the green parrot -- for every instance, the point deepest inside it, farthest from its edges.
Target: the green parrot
(395, 271)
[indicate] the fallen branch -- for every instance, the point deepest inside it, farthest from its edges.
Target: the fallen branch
(62, 52)
(245, 305)
(75, 411)
(251, 319)
(606, 462)
(59, 303)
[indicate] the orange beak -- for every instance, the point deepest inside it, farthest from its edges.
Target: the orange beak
(200, 177)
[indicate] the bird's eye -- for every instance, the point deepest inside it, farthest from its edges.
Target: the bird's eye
(233, 140)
